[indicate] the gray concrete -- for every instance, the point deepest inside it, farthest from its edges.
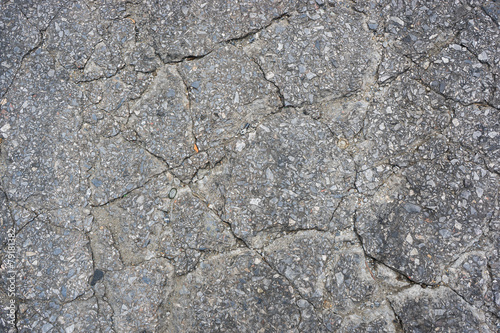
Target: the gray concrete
(250, 166)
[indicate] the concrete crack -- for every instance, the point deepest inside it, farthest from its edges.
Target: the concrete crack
(399, 322)
(399, 273)
(278, 90)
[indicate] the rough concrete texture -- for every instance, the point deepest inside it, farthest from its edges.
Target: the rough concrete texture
(249, 166)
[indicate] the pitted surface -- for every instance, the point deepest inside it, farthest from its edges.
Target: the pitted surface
(249, 166)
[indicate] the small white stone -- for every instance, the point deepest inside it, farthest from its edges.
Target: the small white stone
(5, 128)
(240, 145)
(255, 201)
(310, 75)
(140, 200)
(265, 128)
(409, 239)
(384, 78)
(340, 278)
(269, 175)
(483, 56)
(149, 255)
(398, 20)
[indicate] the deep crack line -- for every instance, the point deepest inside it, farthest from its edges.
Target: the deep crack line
(112, 200)
(190, 110)
(39, 44)
(278, 90)
(469, 303)
(259, 253)
(252, 33)
(367, 255)
(398, 318)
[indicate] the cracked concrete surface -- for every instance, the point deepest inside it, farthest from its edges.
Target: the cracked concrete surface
(250, 166)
